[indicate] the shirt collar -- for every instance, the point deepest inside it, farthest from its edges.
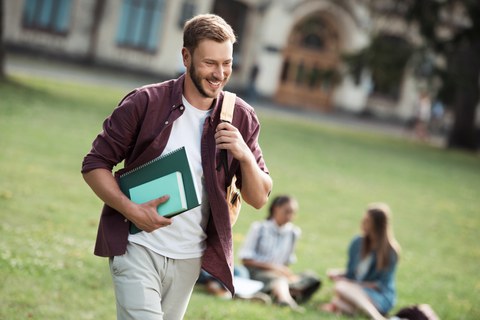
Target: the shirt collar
(178, 93)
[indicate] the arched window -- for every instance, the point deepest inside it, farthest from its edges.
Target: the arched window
(311, 56)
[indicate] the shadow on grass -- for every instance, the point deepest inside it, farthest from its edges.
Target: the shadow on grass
(16, 93)
(20, 94)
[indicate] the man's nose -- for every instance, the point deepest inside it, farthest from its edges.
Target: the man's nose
(219, 72)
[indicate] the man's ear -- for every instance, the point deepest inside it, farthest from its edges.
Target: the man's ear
(186, 57)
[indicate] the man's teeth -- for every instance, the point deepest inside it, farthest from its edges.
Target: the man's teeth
(215, 83)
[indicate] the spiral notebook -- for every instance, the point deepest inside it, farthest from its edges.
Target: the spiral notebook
(161, 176)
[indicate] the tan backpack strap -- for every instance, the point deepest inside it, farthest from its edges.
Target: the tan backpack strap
(233, 198)
(227, 106)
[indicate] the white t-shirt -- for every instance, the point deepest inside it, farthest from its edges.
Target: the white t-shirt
(363, 267)
(185, 237)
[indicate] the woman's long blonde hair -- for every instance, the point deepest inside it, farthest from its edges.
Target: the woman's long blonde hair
(380, 216)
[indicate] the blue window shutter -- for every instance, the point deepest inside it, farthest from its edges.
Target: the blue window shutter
(28, 12)
(123, 22)
(188, 11)
(63, 16)
(139, 18)
(156, 25)
(139, 23)
(45, 13)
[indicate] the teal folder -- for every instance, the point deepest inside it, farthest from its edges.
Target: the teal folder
(172, 185)
(175, 161)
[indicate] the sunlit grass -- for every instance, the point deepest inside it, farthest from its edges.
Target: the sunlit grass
(49, 216)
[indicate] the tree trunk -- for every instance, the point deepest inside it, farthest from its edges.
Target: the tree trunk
(466, 71)
(2, 46)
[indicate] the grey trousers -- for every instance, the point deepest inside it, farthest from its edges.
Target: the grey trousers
(149, 286)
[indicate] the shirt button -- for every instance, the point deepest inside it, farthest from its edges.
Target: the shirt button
(166, 122)
(125, 220)
(181, 108)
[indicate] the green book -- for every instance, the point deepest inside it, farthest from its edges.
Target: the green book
(148, 176)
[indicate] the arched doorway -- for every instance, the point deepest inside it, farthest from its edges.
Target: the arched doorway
(309, 72)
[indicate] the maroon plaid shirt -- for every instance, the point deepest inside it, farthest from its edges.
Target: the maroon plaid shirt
(137, 131)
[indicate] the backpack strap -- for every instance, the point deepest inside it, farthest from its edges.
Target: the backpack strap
(226, 115)
(227, 106)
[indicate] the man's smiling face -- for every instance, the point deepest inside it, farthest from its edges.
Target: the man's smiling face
(210, 67)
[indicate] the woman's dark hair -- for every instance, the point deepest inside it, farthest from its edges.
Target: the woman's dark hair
(411, 313)
(277, 202)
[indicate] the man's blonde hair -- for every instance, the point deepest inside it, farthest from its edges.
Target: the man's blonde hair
(206, 26)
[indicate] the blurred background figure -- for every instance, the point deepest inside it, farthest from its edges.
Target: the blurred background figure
(437, 122)
(368, 284)
(422, 116)
(251, 89)
(268, 251)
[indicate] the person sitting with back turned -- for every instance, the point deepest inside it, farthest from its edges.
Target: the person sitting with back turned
(154, 271)
(268, 251)
(368, 284)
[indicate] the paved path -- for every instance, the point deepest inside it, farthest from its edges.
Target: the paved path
(64, 71)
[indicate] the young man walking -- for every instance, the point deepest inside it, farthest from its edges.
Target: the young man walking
(154, 271)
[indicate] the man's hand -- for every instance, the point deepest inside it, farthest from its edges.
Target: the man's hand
(228, 137)
(146, 217)
(256, 184)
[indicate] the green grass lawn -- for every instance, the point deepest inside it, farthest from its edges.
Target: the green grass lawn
(49, 215)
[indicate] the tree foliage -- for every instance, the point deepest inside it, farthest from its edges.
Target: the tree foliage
(447, 56)
(386, 58)
(451, 30)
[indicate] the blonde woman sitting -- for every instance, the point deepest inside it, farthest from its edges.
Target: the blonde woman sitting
(368, 285)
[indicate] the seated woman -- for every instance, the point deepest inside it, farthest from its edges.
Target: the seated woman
(368, 285)
(268, 251)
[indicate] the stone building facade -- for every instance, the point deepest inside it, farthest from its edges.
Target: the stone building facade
(290, 51)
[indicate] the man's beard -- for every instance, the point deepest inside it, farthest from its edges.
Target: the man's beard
(197, 82)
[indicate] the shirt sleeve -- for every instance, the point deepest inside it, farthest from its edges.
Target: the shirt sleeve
(251, 131)
(296, 233)
(353, 252)
(120, 129)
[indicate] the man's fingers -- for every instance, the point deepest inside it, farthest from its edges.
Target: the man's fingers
(154, 220)
(224, 126)
(158, 201)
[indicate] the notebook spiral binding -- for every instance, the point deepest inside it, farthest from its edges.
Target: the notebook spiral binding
(152, 161)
